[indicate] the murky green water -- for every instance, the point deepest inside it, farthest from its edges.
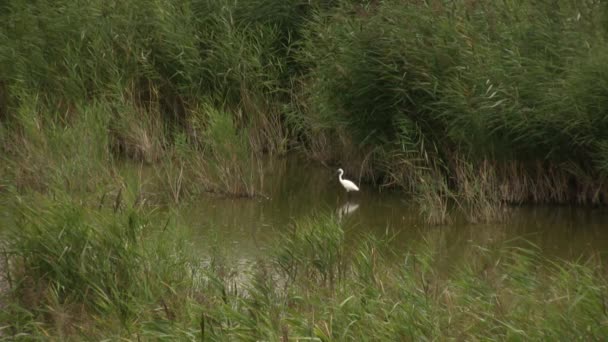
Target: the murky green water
(296, 189)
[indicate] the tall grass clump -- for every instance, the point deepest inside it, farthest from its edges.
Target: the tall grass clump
(42, 150)
(76, 271)
(231, 163)
(314, 251)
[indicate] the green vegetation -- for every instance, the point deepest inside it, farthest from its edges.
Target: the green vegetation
(463, 104)
(74, 273)
(428, 96)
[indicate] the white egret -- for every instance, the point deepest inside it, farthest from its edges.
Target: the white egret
(348, 185)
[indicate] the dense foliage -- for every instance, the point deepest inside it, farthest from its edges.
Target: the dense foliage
(467, 104)
(401, 90)
(78, 273)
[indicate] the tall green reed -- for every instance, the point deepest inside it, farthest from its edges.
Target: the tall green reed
(347, 81)
(71, 266)
(453, 84)
(79, 272)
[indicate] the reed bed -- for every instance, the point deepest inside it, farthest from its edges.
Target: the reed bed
(489, 84)
(472, 105)
(411, 93)
(72, 273)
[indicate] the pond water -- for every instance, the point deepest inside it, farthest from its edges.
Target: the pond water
(296, 189)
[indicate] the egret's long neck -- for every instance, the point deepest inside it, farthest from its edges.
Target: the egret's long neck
(340, 176)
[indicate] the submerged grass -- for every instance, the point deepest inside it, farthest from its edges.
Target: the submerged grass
(91, 273)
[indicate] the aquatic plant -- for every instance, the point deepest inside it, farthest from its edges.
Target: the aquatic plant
(313, 251)
(76, 272)
(408, 93)
(447, 84)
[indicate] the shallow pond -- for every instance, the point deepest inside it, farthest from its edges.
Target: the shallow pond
(295, 189)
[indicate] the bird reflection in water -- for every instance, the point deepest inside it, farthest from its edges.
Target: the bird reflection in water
(347, 209)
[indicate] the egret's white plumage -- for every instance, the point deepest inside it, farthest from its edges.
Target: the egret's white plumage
(348, 185)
